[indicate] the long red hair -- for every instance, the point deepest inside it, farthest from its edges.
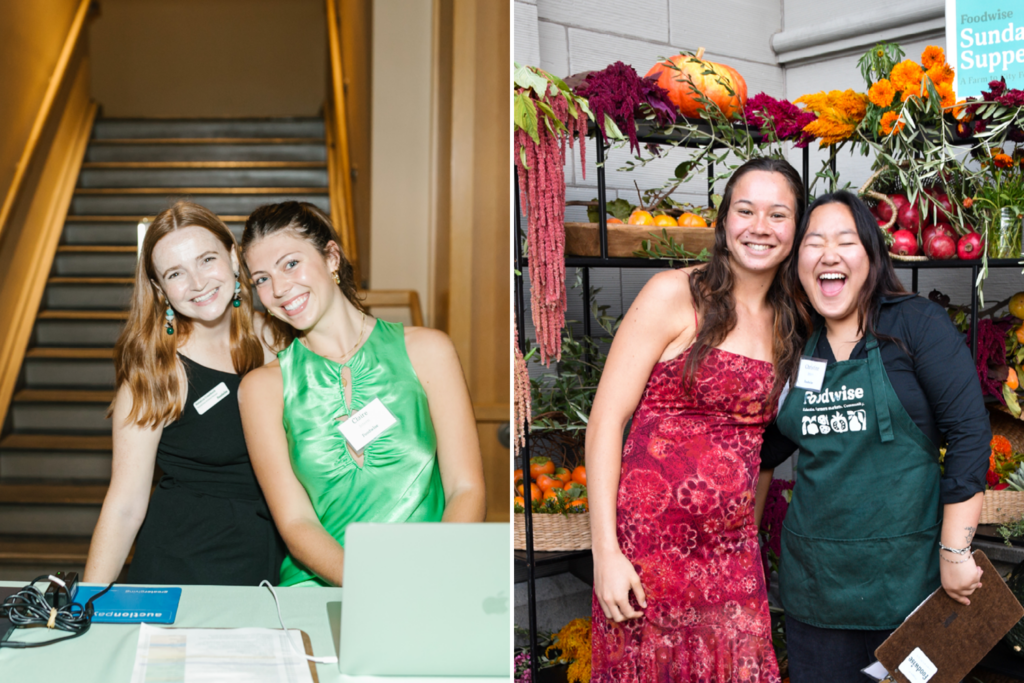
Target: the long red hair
(145, 356)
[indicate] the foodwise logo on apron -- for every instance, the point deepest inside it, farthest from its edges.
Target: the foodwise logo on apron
(842, 410)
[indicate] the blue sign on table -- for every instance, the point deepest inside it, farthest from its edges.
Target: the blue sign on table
(985, 42)
(132, 604)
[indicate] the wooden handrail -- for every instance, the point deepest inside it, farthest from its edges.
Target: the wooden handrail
(56, 80)
(344, 216)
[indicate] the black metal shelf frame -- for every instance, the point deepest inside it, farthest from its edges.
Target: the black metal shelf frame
(532, 561)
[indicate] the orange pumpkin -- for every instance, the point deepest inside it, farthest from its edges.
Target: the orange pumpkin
(711, 84)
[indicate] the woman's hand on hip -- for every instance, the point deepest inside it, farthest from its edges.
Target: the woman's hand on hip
(614, 578)
(960, 577)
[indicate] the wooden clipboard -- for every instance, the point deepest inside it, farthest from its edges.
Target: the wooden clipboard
(952, 637)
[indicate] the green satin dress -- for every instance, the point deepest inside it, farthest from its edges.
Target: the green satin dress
(399, 480)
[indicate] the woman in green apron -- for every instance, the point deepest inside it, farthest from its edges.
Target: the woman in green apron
(875, 525)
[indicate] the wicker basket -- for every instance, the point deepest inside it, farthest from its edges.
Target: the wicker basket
(1004, 506)
(554, 531)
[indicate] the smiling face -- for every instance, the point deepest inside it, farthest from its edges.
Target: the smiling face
(832, 263)
(760, 221)
(292, 278)
(196, 273)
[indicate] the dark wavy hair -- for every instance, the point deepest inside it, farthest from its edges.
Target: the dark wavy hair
(881, 280)
(711, 286)
(307, 222)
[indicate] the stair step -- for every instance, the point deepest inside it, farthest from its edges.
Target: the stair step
(202, 164)
(85, 333)
(56, 442)
(90, 281)
(45, 493)
(63, 396)
(200, 128)
(202, 177)
(135, 219)
(82, 315)
(97, 249)
(208, 141)
(69, 352)
(108, 294)
(86, 264)
(55, 551)
(151, 201)
(84, 191)
(69, 373)
(286, 149)
(44, 520)
(43, 464)
(121, 232)
(60, 418)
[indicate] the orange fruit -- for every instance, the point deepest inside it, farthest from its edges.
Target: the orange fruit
(520, 502)
(578, 503)
(664, 221)
(639, 217)
(1016, 304)
(535, 492)
(613, 220)
(546, 482)
(579, 475)
(1012, 381)
(692, 220)
(1020, 334)
(563, 475)
(550, 494)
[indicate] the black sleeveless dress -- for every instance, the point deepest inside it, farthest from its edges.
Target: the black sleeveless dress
(207, 522)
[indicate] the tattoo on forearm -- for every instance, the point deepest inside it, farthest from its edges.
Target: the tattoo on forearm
(970, 534)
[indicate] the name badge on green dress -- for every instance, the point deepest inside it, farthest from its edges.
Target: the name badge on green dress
(366, 424)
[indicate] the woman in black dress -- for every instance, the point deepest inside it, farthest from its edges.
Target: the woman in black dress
(188, 341)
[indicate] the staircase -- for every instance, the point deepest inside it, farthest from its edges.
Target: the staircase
(55, 445)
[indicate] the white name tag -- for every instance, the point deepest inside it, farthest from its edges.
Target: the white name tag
(212, 398)
(367, 424)
(811, 374)
(917, 667)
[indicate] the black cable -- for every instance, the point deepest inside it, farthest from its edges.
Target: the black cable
(28, 607)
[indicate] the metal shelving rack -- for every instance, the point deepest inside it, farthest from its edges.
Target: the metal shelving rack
(533, 564)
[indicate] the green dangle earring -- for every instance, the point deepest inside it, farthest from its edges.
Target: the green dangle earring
(169, 314)
(237, 300)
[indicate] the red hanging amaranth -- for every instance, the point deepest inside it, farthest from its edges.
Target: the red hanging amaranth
(521, 390)
(542, 180)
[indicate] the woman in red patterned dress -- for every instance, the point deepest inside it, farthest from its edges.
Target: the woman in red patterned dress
(696, 363)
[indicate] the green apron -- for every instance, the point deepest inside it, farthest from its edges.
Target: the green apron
(860, 539)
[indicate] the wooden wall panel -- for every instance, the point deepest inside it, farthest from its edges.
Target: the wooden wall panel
(479, 255)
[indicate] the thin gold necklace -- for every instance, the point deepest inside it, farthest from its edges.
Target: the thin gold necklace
(345, 357)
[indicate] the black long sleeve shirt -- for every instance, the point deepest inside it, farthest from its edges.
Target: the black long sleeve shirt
(937, 385)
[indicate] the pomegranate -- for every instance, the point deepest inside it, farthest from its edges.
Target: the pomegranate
(904, 243)
(930, 231)
(909, 218)
(970, 246)
(884, 212)
(940, 247)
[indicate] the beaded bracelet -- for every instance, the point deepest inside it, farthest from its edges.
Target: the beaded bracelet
(954, 561)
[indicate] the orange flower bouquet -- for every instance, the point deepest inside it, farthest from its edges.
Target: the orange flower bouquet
(902, 92)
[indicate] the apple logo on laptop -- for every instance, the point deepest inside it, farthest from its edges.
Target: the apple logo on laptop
(497, 604)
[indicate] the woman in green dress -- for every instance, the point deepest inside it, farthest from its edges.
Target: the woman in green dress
(410, 452)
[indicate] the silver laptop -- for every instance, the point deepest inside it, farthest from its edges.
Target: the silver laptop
(426, 600)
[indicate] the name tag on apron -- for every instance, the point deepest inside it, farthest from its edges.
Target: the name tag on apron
(367, 424)
(811, 373)
(211, 398)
